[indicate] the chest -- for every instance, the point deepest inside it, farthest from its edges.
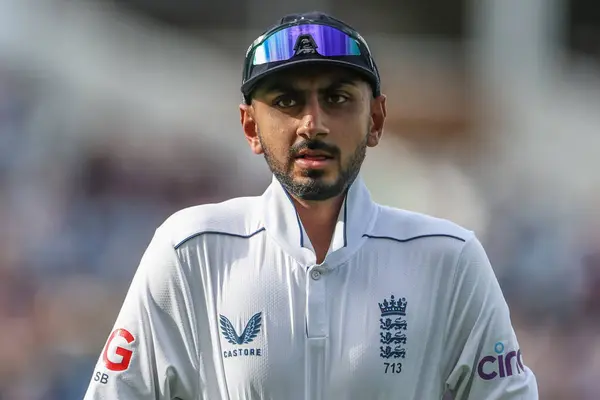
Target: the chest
(368, 328)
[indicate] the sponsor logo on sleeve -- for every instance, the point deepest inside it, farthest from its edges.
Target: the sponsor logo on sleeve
(500, 365)
(118, 351)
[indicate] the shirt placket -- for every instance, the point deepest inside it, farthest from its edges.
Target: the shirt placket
(317, 331)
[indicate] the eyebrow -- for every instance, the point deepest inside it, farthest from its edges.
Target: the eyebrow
(282, 86)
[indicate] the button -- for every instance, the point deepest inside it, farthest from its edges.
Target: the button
(315, 274)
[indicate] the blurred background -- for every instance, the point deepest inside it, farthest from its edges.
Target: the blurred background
(115, 114)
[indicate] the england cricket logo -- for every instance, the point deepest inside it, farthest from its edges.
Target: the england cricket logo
(393, 332)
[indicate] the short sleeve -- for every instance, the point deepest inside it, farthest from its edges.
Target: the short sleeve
(482, 358)
(151, 351)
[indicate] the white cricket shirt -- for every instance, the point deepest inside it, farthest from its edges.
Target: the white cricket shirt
(228, 303)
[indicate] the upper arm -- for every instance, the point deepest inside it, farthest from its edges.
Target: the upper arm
(151, 352)
(482, 358)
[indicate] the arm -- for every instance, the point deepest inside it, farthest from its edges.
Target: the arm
(151, 352)
(483, 359)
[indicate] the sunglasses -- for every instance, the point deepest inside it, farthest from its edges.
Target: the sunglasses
(308, 38)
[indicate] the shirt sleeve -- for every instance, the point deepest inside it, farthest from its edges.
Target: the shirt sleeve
(483, 359)
(151, 352)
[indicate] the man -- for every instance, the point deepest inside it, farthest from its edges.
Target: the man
(312, 290)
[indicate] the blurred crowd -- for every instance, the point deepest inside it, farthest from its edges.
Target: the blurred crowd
(76, 215)
(74, 226)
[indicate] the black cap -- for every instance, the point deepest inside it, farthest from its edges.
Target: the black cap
(363, 64)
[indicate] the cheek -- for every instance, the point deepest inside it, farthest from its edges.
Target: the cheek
(352, 136)
(274, 142)
(277, 133)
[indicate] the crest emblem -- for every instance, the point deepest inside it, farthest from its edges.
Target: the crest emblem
(250, 331)
(393, 327)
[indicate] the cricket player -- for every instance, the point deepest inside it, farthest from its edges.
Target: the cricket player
(312, 291)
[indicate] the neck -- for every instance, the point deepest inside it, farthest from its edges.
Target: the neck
(319, 219)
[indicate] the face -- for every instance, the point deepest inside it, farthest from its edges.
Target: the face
(313, 126)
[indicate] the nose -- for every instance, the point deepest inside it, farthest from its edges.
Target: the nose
(313, 121)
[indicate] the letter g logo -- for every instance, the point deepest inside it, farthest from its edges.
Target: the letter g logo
(110, 351)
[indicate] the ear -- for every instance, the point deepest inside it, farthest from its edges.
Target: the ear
(378, 115)
(250, 128)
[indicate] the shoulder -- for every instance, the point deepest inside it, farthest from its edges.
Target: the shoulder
(234, 217)
(403, 226)
(439, 241)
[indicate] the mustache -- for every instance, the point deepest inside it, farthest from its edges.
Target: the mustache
(314, 145)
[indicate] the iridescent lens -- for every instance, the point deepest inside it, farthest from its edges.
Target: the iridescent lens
(327, 41)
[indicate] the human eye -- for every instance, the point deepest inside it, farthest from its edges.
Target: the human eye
(286, 101)
(337, 98)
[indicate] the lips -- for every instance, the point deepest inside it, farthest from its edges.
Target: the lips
(313, 159)
(314, 155)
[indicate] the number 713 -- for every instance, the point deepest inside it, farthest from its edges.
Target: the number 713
(392, 368)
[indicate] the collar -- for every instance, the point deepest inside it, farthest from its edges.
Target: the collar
(357, 215)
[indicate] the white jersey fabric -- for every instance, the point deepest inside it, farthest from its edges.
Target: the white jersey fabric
(229, 303)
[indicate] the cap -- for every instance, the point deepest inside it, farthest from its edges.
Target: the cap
(307, 38)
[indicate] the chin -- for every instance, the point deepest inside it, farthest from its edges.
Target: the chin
(316, 179)
(316, 174)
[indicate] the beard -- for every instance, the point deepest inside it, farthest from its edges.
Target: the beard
(313, 187)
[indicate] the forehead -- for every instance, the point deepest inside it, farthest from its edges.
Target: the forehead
(306, 77)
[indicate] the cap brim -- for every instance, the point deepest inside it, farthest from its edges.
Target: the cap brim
(251, 84)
